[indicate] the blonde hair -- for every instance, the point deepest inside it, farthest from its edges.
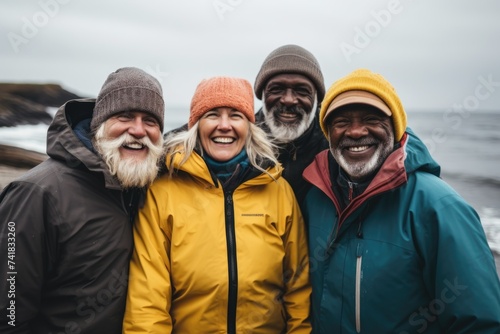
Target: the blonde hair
(260, 150)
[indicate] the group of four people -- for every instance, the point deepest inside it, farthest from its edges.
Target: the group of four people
(321, 212)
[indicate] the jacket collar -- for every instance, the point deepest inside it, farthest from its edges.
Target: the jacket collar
(390, 175)
(196, 166)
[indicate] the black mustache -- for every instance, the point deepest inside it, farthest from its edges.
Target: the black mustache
(348, 142)
(280, 109)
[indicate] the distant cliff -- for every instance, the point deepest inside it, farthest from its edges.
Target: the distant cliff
(27, 103)
(22, 104)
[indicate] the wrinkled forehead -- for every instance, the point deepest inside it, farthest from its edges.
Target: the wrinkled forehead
(290, 79)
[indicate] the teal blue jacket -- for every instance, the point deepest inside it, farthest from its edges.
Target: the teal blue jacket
(408, 255)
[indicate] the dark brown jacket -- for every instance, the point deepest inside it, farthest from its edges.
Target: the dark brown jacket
(73, 239)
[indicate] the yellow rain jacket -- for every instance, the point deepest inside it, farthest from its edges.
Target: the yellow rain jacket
(209, 260)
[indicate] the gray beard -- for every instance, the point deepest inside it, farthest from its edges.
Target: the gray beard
(359, 171)
(284, 133)
(130, 172)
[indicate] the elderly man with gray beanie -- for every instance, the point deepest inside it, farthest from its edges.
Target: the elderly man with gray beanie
(291, 86)
(68, 221)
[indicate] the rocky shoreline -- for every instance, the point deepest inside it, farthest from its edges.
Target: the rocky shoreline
(27, 103)
(20, 104)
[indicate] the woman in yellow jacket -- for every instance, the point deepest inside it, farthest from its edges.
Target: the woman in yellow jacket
(220, 245)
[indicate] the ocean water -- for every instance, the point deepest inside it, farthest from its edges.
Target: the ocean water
(467, 146)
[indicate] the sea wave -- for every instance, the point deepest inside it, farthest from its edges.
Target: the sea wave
(28, 137)
(490, 219)
(480, 180)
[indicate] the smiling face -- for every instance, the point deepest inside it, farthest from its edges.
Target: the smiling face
(289, 105)
(130, 144)
(138, 125)
(361, 138)
(223, 133)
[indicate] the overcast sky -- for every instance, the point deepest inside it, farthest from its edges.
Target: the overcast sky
(438, 54)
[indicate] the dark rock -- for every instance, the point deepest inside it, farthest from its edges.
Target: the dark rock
(21, 158)
(50, 95)
(27, 103)
(15, 110)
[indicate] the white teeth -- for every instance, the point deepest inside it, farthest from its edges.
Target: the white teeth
(134, 146)
(358, 148)
(223, 140)
(288, 115)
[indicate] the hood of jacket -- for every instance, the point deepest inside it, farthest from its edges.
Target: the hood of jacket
(418, 156)
(64, 145)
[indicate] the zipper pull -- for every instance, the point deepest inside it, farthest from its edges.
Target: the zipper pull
(359, 233)
(350, 190)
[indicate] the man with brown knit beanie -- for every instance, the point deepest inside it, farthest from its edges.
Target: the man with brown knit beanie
(66, 225)
(291, 86)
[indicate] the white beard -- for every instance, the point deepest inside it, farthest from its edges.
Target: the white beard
(284, 132)
(129, 171)
(360, 170)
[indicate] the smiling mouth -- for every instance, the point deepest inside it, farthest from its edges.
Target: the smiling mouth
(288, 117)
(223, 140)
(358, 148)
(133, 146)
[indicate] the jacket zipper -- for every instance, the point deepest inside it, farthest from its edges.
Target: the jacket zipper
(357, 293)
(232, 264)
(351, 190)
(132, 210)
(128, 207)
(333, 236)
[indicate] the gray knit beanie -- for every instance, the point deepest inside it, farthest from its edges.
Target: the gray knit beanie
(128, 89)
(290, 59)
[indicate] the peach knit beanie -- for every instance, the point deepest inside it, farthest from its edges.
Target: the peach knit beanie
(222, 92)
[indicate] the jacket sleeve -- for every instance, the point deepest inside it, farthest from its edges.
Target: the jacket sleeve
(149, 291)
(26, 213)
(459, 270)
(297, 284)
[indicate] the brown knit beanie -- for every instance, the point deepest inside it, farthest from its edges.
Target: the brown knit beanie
(290, 59)
(365, 87)
(128, 89)
(222, 92)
